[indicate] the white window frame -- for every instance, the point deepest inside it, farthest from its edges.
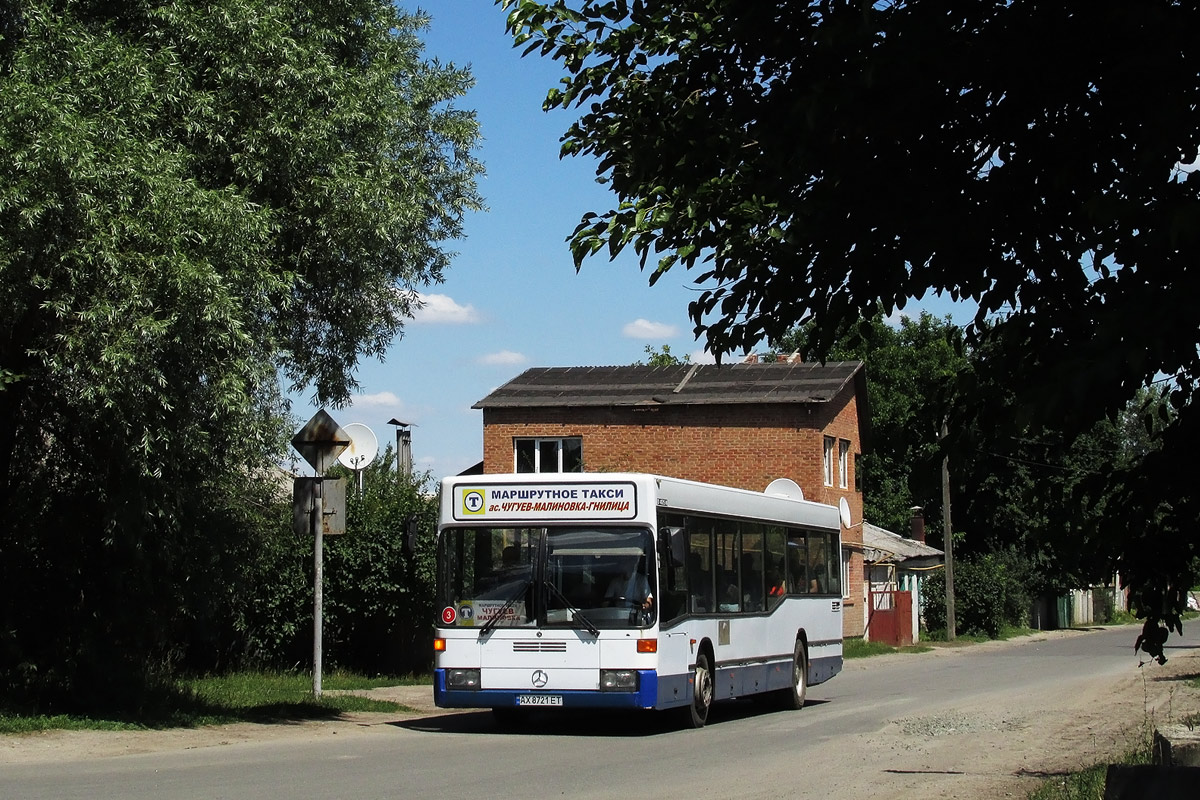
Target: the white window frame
(538, 442)
(828, 461)
(844, 463)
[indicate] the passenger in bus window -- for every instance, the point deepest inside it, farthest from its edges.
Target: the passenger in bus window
(776, 586)
(631, 585)
(752, 600)
(796, 580)
(730, 600)
(817, 571)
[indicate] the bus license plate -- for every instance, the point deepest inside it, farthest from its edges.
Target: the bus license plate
(539, 700)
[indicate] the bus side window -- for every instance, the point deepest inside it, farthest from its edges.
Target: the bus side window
(672, 577)
(699, 573)
(797, 560)
(752, 568)
(834, 563)
(775, 556)
(818, 563)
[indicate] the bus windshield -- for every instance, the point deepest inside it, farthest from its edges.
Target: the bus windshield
(586, 577)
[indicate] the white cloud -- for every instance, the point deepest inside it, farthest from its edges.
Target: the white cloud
(895, 318)
(702, 357)
(503, 358)
(645, 329)
(442, 308)
(383, 400)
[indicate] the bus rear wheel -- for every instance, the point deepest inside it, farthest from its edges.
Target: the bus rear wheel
(793, 698)
(702, 692)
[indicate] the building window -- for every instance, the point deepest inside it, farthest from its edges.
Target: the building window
(843, 463)
(548, 455)
(829, 460)
(846, 555)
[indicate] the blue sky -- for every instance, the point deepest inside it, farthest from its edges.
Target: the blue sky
(512, 298)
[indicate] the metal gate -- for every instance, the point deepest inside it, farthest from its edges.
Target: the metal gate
(890, 618)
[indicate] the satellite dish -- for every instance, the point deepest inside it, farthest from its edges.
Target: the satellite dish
(843, 511)
(362, 449)
(785, 487)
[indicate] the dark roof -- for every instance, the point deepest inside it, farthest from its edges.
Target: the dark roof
(890, 546)
(684, 384)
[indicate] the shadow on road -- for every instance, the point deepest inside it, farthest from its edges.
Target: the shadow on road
(590, 723)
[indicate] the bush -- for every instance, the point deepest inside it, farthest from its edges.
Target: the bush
(989, 594)
(377, 603)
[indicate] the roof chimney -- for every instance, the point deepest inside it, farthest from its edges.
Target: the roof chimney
(404, 463)
(918, 524)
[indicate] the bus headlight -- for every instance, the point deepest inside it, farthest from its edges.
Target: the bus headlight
(462, 679)
(618, 680)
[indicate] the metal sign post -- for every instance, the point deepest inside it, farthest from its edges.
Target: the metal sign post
(319, 441)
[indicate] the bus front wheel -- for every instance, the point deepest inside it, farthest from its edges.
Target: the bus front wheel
(793, 698)
(702, 692)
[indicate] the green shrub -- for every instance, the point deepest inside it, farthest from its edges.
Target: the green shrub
(990, 595)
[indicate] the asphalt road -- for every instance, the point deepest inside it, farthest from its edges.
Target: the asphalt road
(885, 724)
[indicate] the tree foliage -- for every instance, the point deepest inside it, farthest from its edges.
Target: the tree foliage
(662, 358)
(820, 161)
(1035, 492)
(195, 200)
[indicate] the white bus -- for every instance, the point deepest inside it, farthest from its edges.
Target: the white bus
(597, 590)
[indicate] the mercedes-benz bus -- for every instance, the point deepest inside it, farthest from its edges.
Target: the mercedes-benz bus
(621, 590)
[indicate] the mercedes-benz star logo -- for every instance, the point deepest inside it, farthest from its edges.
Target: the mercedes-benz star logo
(540, 678)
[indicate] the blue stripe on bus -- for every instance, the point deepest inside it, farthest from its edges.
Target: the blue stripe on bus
(645, 697)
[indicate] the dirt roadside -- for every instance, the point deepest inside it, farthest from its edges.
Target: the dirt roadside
(972, 751)
(982, 751)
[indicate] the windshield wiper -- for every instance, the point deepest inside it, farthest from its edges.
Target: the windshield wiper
(576, 614)
(494, 621)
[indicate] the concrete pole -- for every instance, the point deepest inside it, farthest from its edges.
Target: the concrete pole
(948, 538)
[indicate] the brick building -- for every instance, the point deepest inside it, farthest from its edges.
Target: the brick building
(739, 425)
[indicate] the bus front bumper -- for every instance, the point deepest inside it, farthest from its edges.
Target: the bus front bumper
(646, 696)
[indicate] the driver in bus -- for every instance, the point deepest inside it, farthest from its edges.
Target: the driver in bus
(631, 585)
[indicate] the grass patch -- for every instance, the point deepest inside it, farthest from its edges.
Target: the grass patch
(1007, 632)
(61, 722)
(240, 697)
(857, 648)
(1088, 784)
(1085, 785)
(1120, 618)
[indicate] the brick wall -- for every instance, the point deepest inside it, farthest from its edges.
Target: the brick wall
(747, 446)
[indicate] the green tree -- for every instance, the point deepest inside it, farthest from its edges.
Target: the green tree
(662, 358)
(195, 200)
(822, 161)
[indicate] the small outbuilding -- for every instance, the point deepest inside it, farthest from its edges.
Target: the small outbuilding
(896, 567)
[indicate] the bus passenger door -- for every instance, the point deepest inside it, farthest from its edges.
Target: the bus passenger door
(675, 659)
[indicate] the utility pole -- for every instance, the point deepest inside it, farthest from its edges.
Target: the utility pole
(947, 538)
